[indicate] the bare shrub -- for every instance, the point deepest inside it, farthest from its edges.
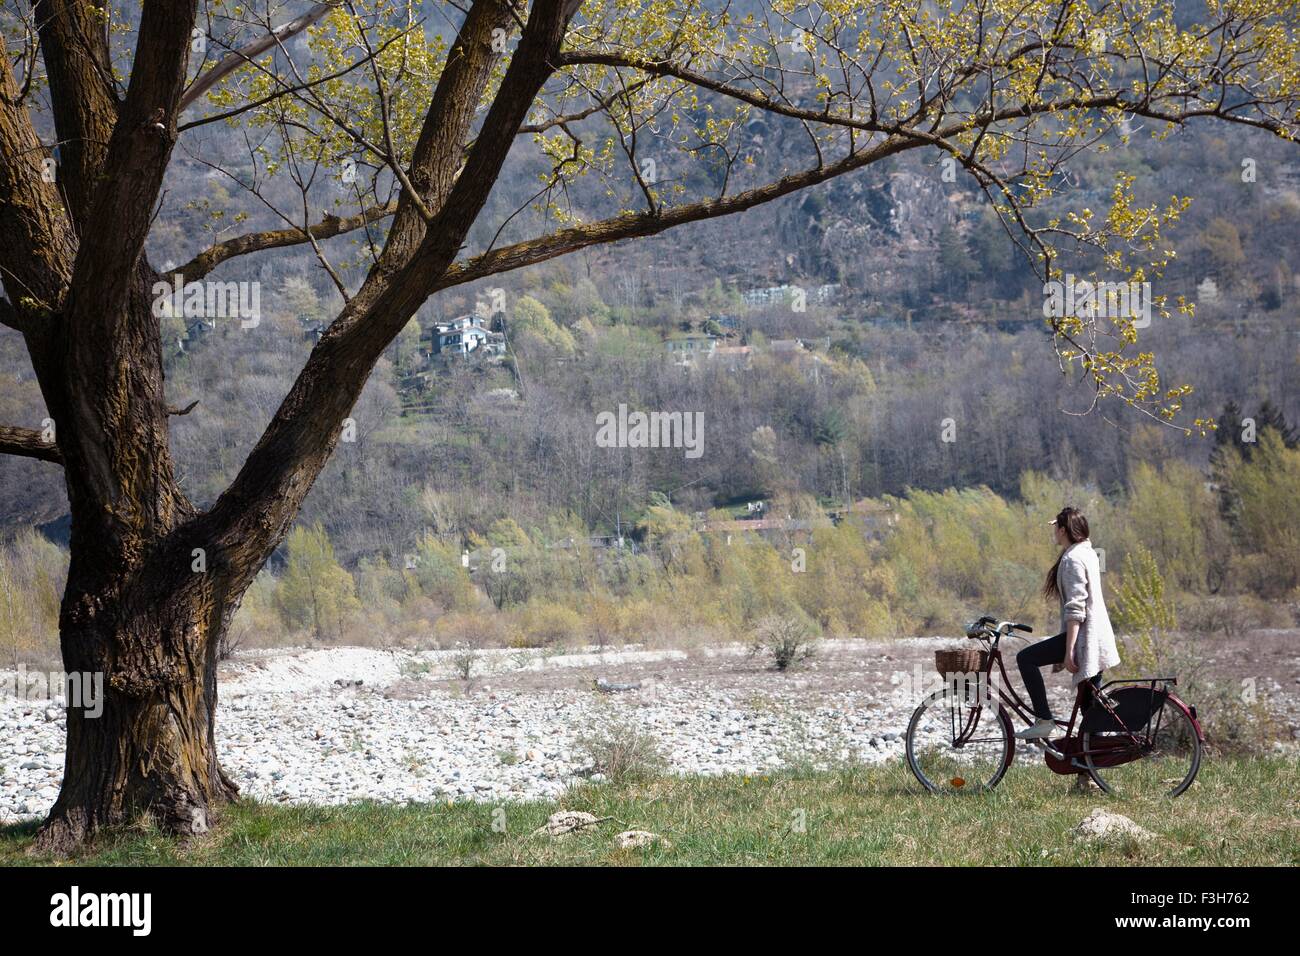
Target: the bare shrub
(417, 622)
(467, 634)
(473, 629)
(788, 640)
(463, 659)
(232, 639)
(622, 752)
(1230, 615)
(1233, 716)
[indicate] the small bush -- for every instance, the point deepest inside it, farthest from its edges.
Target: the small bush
(543, 624)
(1230, 615)
(1142, 609)
(788, 640)
(463, 659)
(622, 752)
(416, 624)
(468, 629)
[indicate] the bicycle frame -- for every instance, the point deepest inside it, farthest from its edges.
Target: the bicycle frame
(1007, 696)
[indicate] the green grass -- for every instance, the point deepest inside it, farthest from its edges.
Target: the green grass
(1238, 812)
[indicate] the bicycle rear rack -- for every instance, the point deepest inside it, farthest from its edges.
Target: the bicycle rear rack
(1140, 680)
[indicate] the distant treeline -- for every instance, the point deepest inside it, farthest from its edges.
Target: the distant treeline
(1224, 548)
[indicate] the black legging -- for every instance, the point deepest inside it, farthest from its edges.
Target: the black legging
(1035, 656)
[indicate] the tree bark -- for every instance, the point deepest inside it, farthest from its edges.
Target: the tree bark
(147, 748)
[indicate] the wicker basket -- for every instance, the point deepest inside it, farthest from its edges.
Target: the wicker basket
(964, 661)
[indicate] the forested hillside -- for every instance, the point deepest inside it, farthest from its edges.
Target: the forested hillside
(932, 315)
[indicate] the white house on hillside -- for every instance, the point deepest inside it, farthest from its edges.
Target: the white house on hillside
(466, 334)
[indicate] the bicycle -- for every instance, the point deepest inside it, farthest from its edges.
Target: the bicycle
(1139, 740)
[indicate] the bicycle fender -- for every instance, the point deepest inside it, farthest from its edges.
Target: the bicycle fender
(1191, 715)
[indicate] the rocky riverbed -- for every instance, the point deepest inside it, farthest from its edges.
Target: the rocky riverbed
(342, 724)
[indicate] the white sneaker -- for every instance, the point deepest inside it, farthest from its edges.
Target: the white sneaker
(1044, 728)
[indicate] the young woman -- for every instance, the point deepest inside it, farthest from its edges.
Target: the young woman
(1086, 644)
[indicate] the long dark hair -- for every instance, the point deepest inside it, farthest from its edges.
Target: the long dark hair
(1076, 529)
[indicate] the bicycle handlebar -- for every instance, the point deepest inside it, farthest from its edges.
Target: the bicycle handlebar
(981, 628)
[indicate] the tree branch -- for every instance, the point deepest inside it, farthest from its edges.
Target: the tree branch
(435, 161)
(636, 225)
(254, 512)
(107, 398)
(138, 153)
(330, 226)
(284, 90)
(28, 443)
(74, 48)
(250, 51)
(36, 239)
(439, 151)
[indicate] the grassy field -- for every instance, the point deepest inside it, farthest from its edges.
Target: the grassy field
(1238, 812)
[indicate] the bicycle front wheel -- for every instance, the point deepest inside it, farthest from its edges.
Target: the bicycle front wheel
(1160, 758)
(958, 745)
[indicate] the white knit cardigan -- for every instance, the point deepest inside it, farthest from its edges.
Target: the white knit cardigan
(1079, 579)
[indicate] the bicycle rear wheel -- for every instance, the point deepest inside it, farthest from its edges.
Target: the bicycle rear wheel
(958, 745)
(1162, 762)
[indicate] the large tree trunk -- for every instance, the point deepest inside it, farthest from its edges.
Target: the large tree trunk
(151, 752)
